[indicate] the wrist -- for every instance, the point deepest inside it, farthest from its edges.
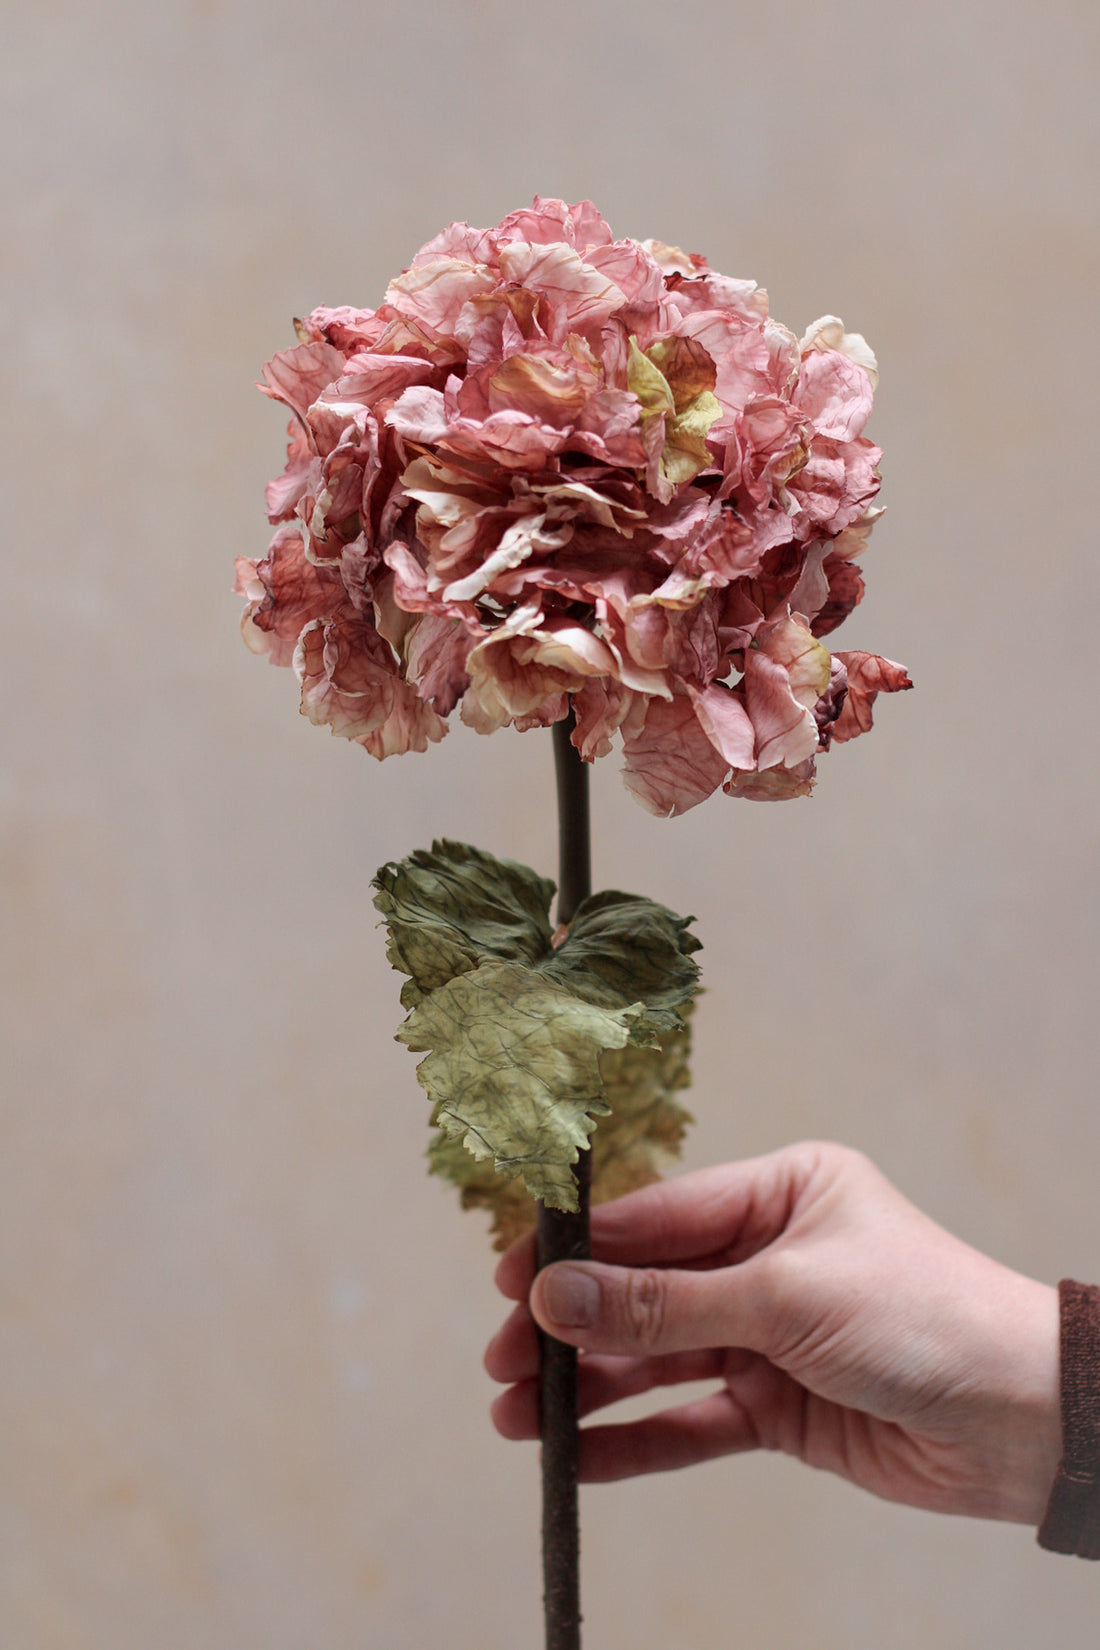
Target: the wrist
(1008, 1424)
(1038, 1432)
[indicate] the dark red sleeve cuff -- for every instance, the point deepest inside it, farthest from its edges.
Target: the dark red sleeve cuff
(1071, 1523)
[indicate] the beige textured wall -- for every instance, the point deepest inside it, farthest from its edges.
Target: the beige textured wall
(242, 1402)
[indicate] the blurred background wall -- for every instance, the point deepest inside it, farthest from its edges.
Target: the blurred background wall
(242, 1401)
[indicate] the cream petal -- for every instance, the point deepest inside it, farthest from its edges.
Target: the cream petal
(828, 333)
(774, 784)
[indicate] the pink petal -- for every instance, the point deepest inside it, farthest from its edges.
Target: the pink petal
(835, 393)
(767, 446)
(828, 334)
(564, 645)
(392, 622)
(547, 221)
(549, 383)
(460, 243)
(524, 538)
(369, 378)
(726, 548)
(725, 721)
(410, 582)
(853, 540)
(836, 484)
(554, 708)
(492, 325)
(786, 732)
(349, 473)
(349, 329)
(831, 703)
(433, 293)
(348, 676)
(514, 440)
(845, 593)
(633, 271)
(506, 681)
(672, 260)
(577, 500)
(419, 415)
(812, 589)
(286, 592)
(743, 299)
(868, 676)
(410, 726)
(740, 353)
(525, 664)
(282, 494)
(600, 709)
(803, 658)
(297, 376)
(578, 297)
(360, 563)
(670, 764)
(436, 650)
(609, 429)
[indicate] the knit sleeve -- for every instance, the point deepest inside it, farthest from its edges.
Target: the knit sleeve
(1071, 1523)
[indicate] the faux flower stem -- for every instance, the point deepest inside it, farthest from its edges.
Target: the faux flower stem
(564, 1237)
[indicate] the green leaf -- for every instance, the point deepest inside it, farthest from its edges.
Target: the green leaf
(623, 948)
(675, 378)
(523, 1037)
(646, 380)
(514, 1071)
(631, 1147)
(686, 451)
(449, 906)
(646, 1125)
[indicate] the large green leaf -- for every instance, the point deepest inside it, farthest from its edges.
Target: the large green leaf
(623, 948)
(631, 1147)
(448, 907)
(527, 1041)
(514, 1071)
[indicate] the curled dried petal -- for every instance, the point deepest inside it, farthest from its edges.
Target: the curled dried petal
(868, 676)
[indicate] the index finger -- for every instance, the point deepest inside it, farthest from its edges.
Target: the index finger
(710, 1217)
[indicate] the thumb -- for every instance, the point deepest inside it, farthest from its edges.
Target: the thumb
(636, 1311)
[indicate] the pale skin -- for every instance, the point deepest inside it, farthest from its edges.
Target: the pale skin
(838, 1323)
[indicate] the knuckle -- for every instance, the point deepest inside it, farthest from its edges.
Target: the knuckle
(779, 1280)
(836, 1159)
(644, 1306)
(851, 1159)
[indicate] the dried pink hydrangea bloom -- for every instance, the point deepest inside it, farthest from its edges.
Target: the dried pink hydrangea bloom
(556, 467)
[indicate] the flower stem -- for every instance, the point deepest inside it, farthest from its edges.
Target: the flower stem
(564, 1237)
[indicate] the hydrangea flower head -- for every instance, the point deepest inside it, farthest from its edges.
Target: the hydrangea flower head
(554, 468)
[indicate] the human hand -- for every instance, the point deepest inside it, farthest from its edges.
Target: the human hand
(845, 1326)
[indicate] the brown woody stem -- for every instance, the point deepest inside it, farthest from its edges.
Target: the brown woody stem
(564, 1237)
